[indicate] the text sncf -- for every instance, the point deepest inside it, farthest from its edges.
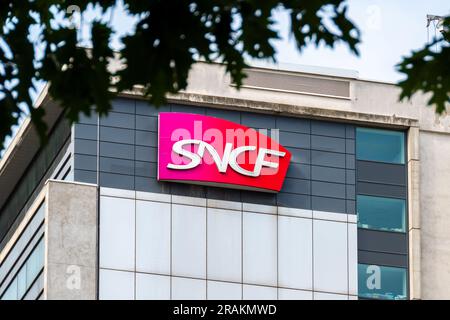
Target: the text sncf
(229, 158)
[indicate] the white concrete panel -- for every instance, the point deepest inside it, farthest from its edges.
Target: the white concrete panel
(333, 216)
(352, 259)
(260, 248)
(330, 256)
(116, 285)
(295, 212)
(114, 192)
(153, 237)
(189, 241)
(224, 245)
(150, 196)
(259, 293)
(152, 287)
(188, 289)
(193, 201)
(289, 294)
(329, 296)
(117, 233)
(252, 207)
(222, 204)
(352, 218)
(295, 253)
(218, 290)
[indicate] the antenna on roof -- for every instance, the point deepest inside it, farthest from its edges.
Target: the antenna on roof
(438, 24)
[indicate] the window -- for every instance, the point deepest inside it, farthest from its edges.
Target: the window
(27, 274)
(377, 213)
(380, 145)
(380, 282)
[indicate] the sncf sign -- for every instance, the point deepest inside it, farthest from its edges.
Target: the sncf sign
(206, 150)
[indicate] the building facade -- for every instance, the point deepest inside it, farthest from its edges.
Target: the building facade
(361, 212)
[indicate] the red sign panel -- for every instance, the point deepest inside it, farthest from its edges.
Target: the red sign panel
(206, 150)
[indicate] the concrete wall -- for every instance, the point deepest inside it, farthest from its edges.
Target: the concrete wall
(435, 217)
(71, 241)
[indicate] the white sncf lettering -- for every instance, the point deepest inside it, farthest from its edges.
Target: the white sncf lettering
(230, 156)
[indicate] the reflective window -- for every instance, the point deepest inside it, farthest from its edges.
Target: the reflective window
(379, 213)
(380, 145)
(27, 274)
(380, 282)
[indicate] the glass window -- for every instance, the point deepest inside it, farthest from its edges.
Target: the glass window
(380, 145)
(22, 282)
(379, 213)
(11, 292)
(27, 274)
(380, 282)
(35, 263)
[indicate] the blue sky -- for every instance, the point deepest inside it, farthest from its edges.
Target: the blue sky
(389, 30)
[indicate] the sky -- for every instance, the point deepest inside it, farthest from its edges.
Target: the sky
(389, 31)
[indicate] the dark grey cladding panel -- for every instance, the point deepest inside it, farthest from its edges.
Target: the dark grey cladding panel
(328, 204)
(146, 153)
(119, 181)
(350, 161)
(259, 197)
(350, 146)
(144, 108)
(383, 259)
(124, 105)
(223, 194)
(189, 190)
(146, 138)
(114, 165)
(328, 189)
(350, 131)
(118, 120)
(351, 206)
(88, 119)
(151, 185)
(328, 144)
(299, 171)
(295, 140)
(316, 179)
(328, 129)
(82, 146)
(298, 186)
(117, 135)
(292, 200)
(350, 176)
(301, 156)
(329, 159)
(293, 125)
(147, 123)
(381, 241)
(351, 192)
(234, 116)
(381, 173)
(85, 162)
(381, 190)
(117, 150)
(85, 176)
(187, 109)
(255, 120)
(146, 169)
(85, 131)
(328, 174)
